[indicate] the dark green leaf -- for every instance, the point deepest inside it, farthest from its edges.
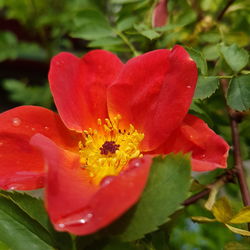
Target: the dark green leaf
(167, 187)
(236, 57)
(238, 95)
(30, 205)
(8, 46)
(28, 95)
(206, 86)
(19, 231)
(119, 245)
(199, 58)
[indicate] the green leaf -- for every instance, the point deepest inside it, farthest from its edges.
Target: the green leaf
(91, 25)
(126, 23)
(243, 216)
(199, 58)
(236, 58)
(8, 46)
(238, 95)
(119, 245)
(147, 32)
(106, 42)
(32, 206)
(211, 52)
(206, 86)
(166, 189)
(3, 246)
(19, 231)
(28, 95)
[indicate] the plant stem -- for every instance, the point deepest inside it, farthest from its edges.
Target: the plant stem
(126, 41)
(223, 11)
(238, 165)
(224, 178)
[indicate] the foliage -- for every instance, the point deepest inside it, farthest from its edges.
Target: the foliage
(217, 39)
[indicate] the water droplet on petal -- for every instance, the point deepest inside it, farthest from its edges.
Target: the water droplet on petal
(203, 156)
(106, 180)
(1, 143)
(46, 128)
(189, 87)
(136, 163)
(79, 220)
(33, 129)
(16, 122)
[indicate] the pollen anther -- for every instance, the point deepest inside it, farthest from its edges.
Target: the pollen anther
(106, 151)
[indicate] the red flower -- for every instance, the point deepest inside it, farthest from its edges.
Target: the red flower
(113, 116)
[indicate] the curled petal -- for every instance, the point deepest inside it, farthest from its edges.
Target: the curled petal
(209, 150)
(79, 86)
(22, 166)
(154, 92)
(87, 207)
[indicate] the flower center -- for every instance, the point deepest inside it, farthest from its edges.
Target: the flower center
(106, 150)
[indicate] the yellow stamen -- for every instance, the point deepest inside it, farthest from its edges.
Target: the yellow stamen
(106, 151)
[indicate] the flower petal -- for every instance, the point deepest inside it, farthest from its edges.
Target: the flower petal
(22, 166)
(78, 206)
(154, 92)
(209, 150)
(79, 86)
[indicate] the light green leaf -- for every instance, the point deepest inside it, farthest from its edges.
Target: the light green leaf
(91, 25)
(199, 58)
(106, 41)
(211, 52)
(243, 216)
(126, 23)
(238, 95)
(222, 210)
(166, 189)
(146, 31)
(206, 86)
(236, 57)
(19, 231)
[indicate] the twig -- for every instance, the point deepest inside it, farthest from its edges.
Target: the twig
(235, 118)
(196, 197)
(223, 11)
(225, 178)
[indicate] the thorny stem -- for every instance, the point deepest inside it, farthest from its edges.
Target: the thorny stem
(234, 119)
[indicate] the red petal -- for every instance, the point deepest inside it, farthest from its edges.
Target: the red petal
(209, 150)
(154, 92)
(77, 206)
(22, 166)
(79, 86)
